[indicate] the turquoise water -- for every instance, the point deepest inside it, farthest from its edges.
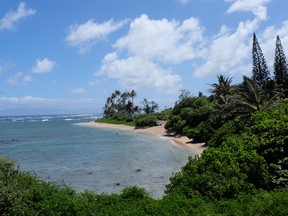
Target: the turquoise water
(103, 160)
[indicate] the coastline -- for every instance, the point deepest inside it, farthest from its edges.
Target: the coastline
(183, 141)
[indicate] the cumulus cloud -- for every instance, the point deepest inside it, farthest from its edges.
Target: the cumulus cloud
(84, 36)
(26, 99)
(151, 47)
(162, 40)
(12, 17)
(19, 79)
(43, 65)
(228, 51)
(8, 103)
(257, 7)
(267, 40)
(136, 72)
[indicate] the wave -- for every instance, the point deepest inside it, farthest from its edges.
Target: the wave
(46, 118)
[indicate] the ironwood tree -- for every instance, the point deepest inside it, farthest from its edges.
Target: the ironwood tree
(280, 66)
(260, 70)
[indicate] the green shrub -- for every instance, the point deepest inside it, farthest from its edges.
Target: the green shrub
(134, 192)
(23, 194)
(227, 129)
(220, 173)
(145, 120)
(128, 122)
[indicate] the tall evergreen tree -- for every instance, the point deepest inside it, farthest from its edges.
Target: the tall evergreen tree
(260, 70)
(280, 65)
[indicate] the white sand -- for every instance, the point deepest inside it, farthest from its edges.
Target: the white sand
(185, 142)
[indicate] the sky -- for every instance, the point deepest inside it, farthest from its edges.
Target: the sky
(69, 56)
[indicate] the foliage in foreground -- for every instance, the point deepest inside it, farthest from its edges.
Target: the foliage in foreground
(244, 173)
(242, 162)
(23, 194)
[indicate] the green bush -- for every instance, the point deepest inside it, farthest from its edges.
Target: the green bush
(189, 117)
(23, 194)
(134, 192)
(145, 120)
(128, 122)
(226, 130)
(245, 172)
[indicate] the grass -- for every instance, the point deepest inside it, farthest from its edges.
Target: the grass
(115, 121)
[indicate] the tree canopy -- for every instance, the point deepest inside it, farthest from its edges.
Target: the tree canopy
(120, 105)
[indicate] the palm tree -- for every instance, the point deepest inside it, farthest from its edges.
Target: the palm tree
(222, 89)
(124, 96)
(184, 93)
(149, 107)
(133, 94)
(251, 97)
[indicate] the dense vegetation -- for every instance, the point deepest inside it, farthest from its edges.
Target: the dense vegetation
(244, 170)
(254, 156)
(120, 109)
(200, 117)
(23, 194)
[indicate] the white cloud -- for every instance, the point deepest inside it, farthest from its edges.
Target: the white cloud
(37, 100)
(231, 52)
(228, 51)
(12, 17)
(267, 40)
(257, 7)
(84, 36)
(43, 65)
(136, 72)
(19, 79)
(150, 47)
(93, 105)
(162, 40)
(25, 100)
(77, 90)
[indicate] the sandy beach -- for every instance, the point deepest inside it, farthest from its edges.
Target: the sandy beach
(183, 141)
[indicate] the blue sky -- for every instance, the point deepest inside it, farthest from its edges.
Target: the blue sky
(69, 56)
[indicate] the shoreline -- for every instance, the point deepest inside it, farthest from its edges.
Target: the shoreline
(183, 141)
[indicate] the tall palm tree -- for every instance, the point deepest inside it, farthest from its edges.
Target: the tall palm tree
(222, 89)
(133, 94)
(250, 97)
(124, 97)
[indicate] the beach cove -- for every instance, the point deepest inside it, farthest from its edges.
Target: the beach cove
(182, 141)
(102, 159)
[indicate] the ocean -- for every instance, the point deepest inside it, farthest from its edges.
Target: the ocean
(56, 148)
